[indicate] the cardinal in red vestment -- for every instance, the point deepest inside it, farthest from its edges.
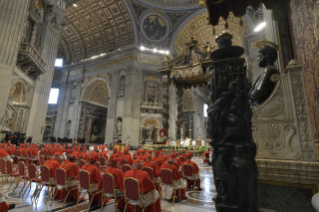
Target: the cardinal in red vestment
(163, 155)
(53, 165)
(95, 178)
(196, 171)
(114, 153)
(157, 159)
(4, 154)
(4, 207)
(127, 157)
(156, 173)
(177, 176)
(96, 154)
(206, 156)
(183, 154)
(147, 188)
(85, 154)
(118, 180)
(72, 173)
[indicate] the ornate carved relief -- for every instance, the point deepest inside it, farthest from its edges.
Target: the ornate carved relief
(302, 115)
(188, 101)
(96, 91)
(275, 140)
(121, 91)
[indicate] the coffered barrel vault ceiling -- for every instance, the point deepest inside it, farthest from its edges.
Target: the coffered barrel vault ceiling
(95, 27)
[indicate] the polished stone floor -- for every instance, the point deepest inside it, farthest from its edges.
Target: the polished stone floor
(199, 201)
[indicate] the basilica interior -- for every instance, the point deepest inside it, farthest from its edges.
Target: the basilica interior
(158, 75)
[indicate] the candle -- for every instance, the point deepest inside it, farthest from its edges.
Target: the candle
(181, 130)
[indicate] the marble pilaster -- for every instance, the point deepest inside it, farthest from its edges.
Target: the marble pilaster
(65, 111)
(13, 14)
(57, 125)
(132, 104)
(51, 37)
(76, 111)
(172, 112)
(111, 114)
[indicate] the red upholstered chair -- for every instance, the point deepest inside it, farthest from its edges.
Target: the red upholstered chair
(126, 168)
(167, 178)
(124, 161)
(109, 189)
(2, 167)
(81, 157)
(13, 173)
(24, 156)
(22, 175)
(188, 172)
(81, 163)
(182, 159)
(97, 164)
(149, 170)
(155, 163)
(103, 162)
(33, 177)
(9, 172)
(45, 181)
(132, 193)
(84, 178)
(18, 154)
(41, 160)
(61, 180)
(31, 159)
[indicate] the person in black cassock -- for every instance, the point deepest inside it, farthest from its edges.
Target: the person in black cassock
(29, 140)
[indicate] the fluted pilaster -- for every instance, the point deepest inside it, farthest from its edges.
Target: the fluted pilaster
(13, 14)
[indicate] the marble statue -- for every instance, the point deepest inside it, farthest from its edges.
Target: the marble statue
(266, 82)
(119, 126)
(149, 132)
(68, 128)
(72, 98)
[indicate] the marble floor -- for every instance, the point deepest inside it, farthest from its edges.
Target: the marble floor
(199, 201)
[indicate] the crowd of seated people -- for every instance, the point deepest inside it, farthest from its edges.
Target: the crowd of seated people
(149, 171)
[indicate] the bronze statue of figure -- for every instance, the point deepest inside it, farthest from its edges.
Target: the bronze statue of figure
(264, 85)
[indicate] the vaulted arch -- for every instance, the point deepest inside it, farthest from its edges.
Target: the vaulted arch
(95, 27)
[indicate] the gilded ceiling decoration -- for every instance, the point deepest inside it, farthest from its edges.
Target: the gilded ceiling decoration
(97, 92)
(203, 32)
(95, 27)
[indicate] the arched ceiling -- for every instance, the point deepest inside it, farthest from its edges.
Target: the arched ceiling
(97, 92)
(95, 27)
(198, 26)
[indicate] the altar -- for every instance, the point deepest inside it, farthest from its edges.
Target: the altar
(120, 146)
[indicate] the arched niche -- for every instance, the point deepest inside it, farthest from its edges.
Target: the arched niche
(19, 98)
(97, 91)
(19, 93)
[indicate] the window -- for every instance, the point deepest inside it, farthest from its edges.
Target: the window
(205, 110)
(58, 62)
(54, 93)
